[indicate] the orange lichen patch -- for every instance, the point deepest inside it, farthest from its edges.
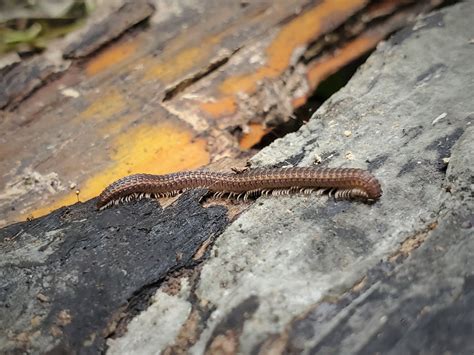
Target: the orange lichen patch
(118, 53)
(168, 72)
(159, 149)
(174, 68)
(382, 9)
(219, 108)
(297, 33)
(105, 106)
(116, 125)
(299, 101)
(328, 65)
(253, 136)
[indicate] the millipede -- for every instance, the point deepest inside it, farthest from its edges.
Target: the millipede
(342, 183)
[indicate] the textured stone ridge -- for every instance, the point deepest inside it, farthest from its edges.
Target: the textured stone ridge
(340, 277)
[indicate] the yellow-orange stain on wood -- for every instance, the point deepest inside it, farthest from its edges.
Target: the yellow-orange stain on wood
(159, 149)
(223, 107)
(105, 106)
(118, 124)
(253, 136)
(111, 56)
(171, 69)
(327, 66)
(297, 33)
(299, 101)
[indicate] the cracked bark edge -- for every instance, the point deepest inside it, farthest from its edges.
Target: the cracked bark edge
(19, 81)
(186, 82)
(127, 16)
(273, 103)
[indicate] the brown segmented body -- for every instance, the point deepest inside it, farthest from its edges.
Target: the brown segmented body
(344, 182)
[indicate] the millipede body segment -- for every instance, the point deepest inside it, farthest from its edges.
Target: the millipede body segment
(347, 183)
